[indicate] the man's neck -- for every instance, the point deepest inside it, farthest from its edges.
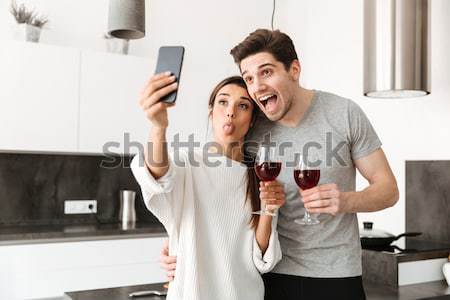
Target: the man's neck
(300, 104)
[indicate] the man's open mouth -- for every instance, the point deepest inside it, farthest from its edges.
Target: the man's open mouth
(268, 101)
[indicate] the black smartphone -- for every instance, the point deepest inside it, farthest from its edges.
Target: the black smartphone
(170, 58)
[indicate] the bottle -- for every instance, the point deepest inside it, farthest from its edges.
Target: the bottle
(127, 214)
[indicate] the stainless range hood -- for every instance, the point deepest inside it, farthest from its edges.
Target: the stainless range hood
(396, 48)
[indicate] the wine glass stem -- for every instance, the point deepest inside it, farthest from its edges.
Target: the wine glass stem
(307, 215)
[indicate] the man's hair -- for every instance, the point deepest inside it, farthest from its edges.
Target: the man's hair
(274, 42)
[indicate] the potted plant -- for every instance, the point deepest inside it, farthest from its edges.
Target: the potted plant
(29, 22)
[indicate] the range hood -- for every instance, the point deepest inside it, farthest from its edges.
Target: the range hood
(396, 48)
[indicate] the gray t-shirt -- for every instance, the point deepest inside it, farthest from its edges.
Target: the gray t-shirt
(337, 132)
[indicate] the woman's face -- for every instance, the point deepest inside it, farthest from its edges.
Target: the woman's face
(231, 114)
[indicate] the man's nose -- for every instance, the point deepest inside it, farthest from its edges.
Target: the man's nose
(258, 86)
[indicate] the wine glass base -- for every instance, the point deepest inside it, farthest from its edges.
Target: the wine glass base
(307, 221)
(264, 213)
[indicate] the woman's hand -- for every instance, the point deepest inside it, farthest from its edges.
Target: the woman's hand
(272, 194)
(157, 87)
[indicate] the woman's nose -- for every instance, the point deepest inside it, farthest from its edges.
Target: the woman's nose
(230, 112)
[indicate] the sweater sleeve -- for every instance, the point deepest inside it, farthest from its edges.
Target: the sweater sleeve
(265, 263)
(163, 196)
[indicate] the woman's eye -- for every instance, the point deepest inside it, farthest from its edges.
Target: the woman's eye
(243, 106)
(222, 102)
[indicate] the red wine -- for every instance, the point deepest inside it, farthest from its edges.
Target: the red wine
(268, 171)
(306, 179)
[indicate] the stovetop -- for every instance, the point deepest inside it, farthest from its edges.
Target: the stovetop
(413, 245)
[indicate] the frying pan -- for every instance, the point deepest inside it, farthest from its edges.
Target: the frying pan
(378, 238)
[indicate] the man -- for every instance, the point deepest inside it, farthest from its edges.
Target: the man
(320, 261)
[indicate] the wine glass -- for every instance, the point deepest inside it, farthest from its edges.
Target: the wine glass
(267, 169)
(306, 178)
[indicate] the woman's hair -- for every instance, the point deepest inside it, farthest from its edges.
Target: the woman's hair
(249, 160)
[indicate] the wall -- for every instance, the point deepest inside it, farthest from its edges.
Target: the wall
(428, 199)
(208, 30)
(35, 187)
(328, 37)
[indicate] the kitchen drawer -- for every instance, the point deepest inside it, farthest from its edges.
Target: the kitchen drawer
(49, 270)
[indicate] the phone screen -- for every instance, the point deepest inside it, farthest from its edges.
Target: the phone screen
(170, 58)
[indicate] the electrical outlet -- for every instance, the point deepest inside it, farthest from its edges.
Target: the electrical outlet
(80, 207)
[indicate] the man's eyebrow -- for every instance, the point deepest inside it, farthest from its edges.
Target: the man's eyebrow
(260, 66)
(266, 65)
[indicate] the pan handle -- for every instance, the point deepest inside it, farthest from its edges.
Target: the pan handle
(407, 234)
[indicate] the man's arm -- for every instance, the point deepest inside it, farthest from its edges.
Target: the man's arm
(167, 263)
(381, 193)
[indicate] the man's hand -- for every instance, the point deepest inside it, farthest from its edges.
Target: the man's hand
(168, 263)
(323, 199)
(381, 193)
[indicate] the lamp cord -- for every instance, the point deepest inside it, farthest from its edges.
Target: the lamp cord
(273, 13)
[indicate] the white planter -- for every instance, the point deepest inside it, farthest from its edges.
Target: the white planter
(446, 271)
(27, 32)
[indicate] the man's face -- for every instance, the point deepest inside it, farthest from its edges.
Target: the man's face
(269, 84)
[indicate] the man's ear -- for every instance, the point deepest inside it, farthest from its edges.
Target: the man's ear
(295, 69)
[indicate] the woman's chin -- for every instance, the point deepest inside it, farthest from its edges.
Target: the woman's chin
(227, 139)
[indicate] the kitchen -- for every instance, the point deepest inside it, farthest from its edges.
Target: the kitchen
(64, 98)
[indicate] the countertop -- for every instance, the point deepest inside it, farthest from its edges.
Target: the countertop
(373, 292)
(32, 234)
(423, 291)
(413, 249)
(120, 293)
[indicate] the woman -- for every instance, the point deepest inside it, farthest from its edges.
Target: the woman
(205, 200)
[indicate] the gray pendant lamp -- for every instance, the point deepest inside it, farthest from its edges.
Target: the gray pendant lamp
(396, 48)
(126, 19)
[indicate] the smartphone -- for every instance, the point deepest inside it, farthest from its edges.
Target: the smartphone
(170, 58)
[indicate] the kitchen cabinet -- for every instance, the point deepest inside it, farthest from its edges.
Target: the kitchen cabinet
(49, 270)
(38, 97)
(55, 98)
(109, 95)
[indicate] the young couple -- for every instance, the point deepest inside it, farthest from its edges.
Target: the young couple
(217, 248)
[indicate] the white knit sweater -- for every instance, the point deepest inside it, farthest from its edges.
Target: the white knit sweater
(204, 212)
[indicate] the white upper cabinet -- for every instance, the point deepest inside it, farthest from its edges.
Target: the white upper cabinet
(38, 97)
(109, 96)
(55, 98)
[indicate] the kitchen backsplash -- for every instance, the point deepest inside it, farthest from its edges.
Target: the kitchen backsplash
(428, 199)
(34, 186)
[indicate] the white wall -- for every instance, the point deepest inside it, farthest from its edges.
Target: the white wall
(328, 35)
(208, 30)
(328, 38)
